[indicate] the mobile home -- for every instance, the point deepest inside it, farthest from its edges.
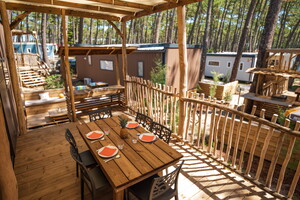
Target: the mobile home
(31, 47)
(223, 62)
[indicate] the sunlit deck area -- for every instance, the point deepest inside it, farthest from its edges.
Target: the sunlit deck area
(46, 170)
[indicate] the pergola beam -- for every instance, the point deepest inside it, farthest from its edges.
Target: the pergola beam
(68, 76)
(18, 19)
(183, 68)
(159, 8)
(43, 8)
(108, 9)
(125, 4)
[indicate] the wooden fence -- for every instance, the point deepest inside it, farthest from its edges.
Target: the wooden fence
(260, 150)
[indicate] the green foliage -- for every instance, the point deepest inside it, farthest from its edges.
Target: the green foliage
(226, 78)
(54, 81)
(123, 122)
(158, 73)
(228, 97)
(216, 79)
(281, 118)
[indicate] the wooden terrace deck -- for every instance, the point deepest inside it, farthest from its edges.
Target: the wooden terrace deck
(45, 170)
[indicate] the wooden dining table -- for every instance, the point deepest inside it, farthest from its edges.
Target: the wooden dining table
(138, 160)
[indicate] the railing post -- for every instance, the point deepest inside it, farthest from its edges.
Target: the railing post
(183, 68)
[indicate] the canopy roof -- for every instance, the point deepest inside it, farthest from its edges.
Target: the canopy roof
(85, 51)
(115, 10)
(274, 72)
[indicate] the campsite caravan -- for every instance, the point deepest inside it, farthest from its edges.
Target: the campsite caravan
(223, 62)
(30, 47)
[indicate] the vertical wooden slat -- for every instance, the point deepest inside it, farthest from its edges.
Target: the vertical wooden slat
(237, 138)
(13, 69)
(188, 107)
(200, 121)
(67, 65)
(183, 66)
(204, 127)
(294, 182)
(246, 139)
(216, 129)
(255, 139)
(276, 155)
(212, 124)
(265, 148)
(117, 70)
(194, 119)
(223, 134)
(230, 135)
(124, 57)
(287, 159)
(167, 107)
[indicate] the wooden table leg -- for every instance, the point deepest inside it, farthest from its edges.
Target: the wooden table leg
(118, 195)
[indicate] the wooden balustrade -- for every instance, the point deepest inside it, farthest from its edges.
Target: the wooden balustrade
(258, 149)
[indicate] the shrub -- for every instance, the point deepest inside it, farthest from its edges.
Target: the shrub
(158, 73)
(213, 88)
(53, 82)
(228, 97)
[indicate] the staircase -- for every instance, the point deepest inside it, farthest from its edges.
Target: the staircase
(31, 78)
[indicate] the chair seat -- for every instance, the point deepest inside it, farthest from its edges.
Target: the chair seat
(98, 177)
(142, 190)
(87, 158)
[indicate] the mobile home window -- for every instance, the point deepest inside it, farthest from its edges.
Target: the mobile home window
(214, 63)
(228, 64)
(140, 69)
(107, 65)
(48, 50)
(28, 50)
(241, 66)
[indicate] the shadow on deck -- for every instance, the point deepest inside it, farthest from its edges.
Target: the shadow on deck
(45, 170)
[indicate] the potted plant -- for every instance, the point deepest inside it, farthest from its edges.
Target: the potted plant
(123, 131)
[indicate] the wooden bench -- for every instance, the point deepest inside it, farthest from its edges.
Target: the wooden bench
(99, 102)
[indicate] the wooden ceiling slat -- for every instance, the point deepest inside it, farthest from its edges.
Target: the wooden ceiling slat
(114, 10)
(82, 6)
(160, 8)
(54, 10)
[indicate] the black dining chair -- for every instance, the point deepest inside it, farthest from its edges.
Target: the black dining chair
(157, 187)
(93, 178)
(85, 157)
(144, 120)
(161, 131)
(100, 114)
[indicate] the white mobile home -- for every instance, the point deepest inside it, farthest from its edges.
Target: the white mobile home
(223, 62)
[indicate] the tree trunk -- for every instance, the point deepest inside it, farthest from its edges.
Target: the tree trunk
(289, 38)
(157, 27)
(205, 40)
(80, 31)
(242, 41)
(44, 45)
(282, 25)
(190, 38)
(266, 39)
(91, 31)
(96, 33)
(170, 38)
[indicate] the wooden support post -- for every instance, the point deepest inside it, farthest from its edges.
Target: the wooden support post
(13, 68)
(67, 67)
(117, 70)
(8, 181)
(183, 65)
(124, 58)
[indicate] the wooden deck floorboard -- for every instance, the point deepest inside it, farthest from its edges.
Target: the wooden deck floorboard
(45, 170)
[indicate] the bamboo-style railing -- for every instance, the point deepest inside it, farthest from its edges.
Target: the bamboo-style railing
(158, 101)
(229, 135)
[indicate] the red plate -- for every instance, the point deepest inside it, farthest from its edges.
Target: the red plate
(94, 135)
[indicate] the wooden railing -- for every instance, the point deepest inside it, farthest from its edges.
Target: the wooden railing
(262, 151)
(158, 101)
(275, 87)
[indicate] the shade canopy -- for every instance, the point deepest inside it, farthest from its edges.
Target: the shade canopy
(87, 51)
(114, 10)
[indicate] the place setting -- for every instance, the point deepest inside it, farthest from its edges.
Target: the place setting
(147, 137)
(108, 152)
(95, 136)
